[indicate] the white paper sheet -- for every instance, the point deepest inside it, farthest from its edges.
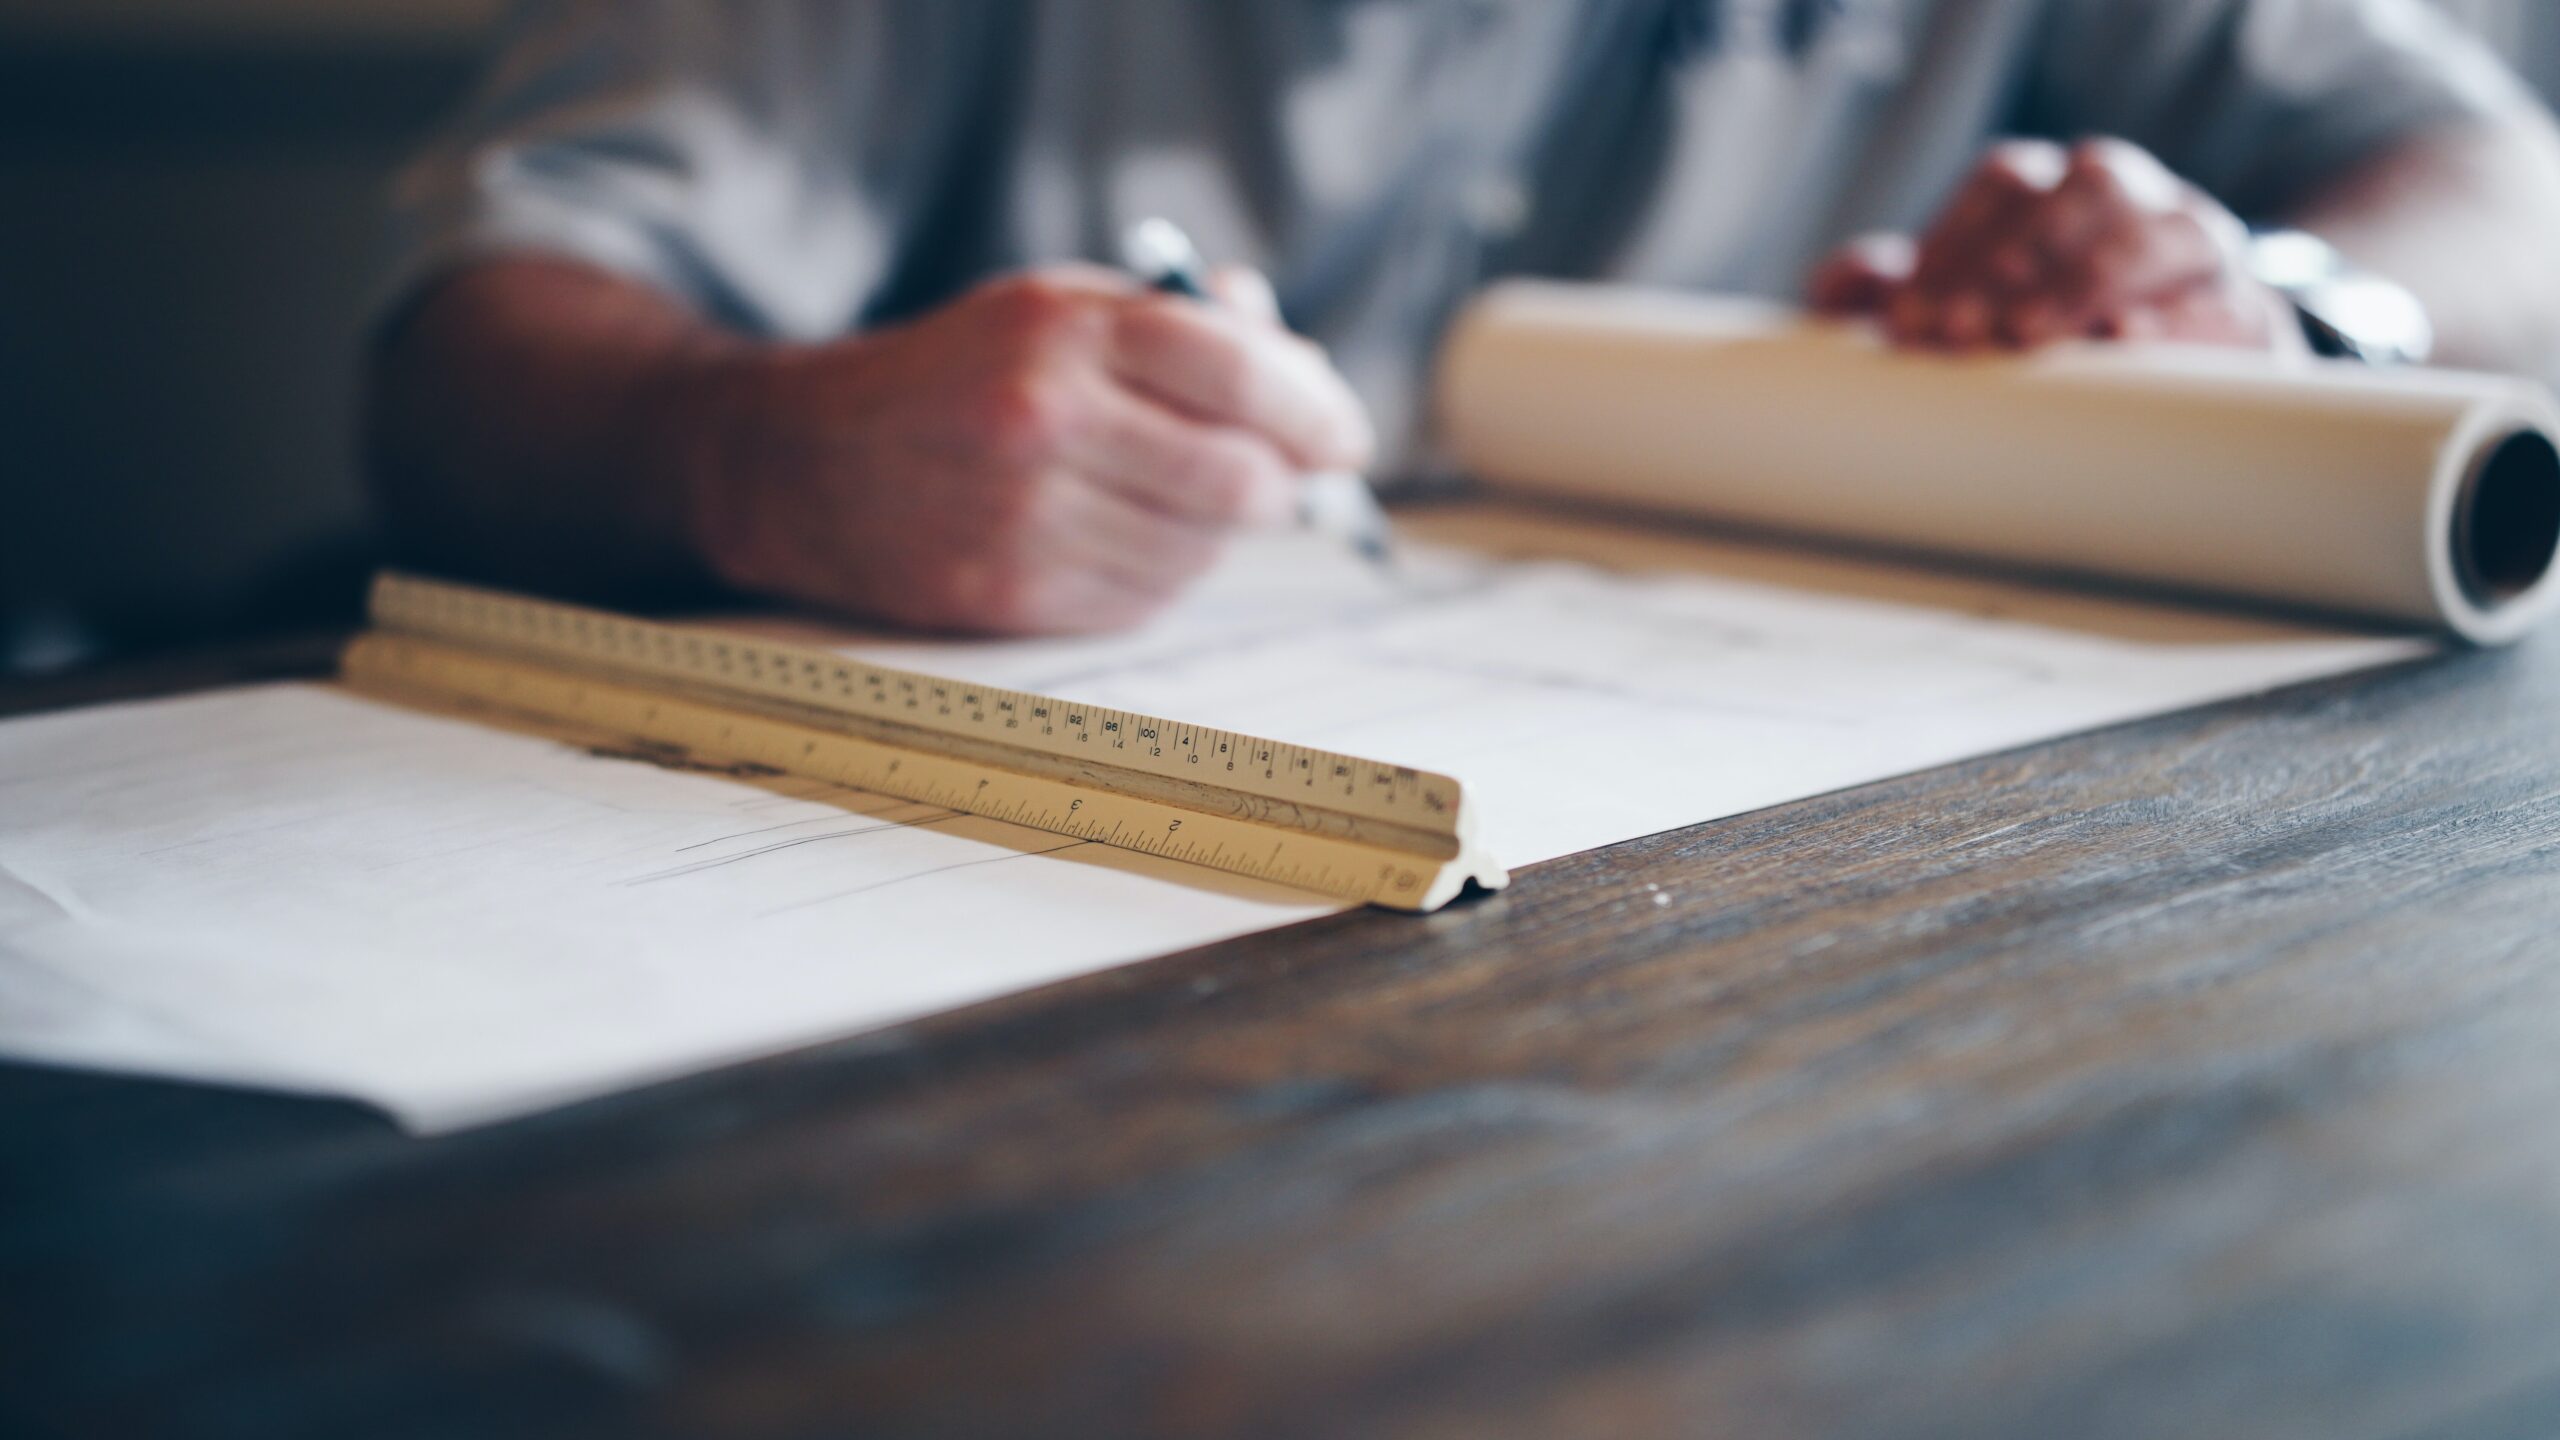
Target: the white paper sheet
(1591, 683)
(295, 887)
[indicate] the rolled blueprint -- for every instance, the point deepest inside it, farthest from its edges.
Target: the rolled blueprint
(2418, 496)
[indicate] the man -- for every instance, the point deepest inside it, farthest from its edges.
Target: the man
(787, 296)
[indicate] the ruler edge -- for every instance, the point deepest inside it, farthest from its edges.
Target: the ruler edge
(1455, 826)
(365, 671)
(1450, 874)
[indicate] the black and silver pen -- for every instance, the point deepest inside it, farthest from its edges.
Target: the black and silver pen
(1337, 502)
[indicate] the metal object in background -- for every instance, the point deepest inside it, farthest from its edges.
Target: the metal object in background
(2347, 312)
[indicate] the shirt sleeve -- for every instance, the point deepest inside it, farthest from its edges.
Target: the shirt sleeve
(2259, 101)
(744, 157)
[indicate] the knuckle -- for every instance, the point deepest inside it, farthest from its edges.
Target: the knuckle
(1010, 598)
(2214, 231)
(2015, 165)
(1024, 416)
(1227, 475)
(2117, 157)
(2078, 278)
(1223, 371)
(1995, 176)
(989, 593)
(2121, 252)
(2125, 173)
(2182, 230)
(1031, 309)
(1013, 510)
(2098, 152)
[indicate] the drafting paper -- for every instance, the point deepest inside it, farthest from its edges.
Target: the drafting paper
(2423, 496)
(1591, 683)
(291, 886)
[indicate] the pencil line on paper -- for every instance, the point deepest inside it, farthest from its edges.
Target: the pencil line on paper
(834, 813)
(922, 874)
(699, 866)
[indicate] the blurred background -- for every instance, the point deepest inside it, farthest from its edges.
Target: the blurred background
(190, 201)
(190, 228)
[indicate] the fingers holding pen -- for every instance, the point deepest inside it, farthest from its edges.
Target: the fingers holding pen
(1228, 369)
(1059, 449)
(1247, 292)
(1219, 477)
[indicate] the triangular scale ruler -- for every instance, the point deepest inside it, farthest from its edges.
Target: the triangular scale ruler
(1354, 829)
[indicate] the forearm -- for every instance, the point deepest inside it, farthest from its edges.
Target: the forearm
(2469, 220)
(539, 422)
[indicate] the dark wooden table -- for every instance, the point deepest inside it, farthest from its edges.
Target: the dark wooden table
(2196, 1078)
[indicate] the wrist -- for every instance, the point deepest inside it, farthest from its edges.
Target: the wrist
(699, 423)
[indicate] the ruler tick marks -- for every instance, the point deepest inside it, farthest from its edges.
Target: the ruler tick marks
(922, 738)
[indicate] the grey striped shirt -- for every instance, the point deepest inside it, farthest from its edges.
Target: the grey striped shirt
(805, 168)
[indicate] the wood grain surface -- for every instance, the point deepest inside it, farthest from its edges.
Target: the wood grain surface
(2195, 1078)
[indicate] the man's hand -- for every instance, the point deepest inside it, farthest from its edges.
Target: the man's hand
(1056, 451)
(2044, 244)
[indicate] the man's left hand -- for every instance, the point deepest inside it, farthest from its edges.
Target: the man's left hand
(2043, 244)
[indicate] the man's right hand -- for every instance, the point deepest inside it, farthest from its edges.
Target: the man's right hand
(1058, 450)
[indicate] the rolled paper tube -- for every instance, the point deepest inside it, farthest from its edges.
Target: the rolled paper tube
(2425, 497)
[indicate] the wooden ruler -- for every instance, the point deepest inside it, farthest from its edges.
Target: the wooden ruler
(1354, 829)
